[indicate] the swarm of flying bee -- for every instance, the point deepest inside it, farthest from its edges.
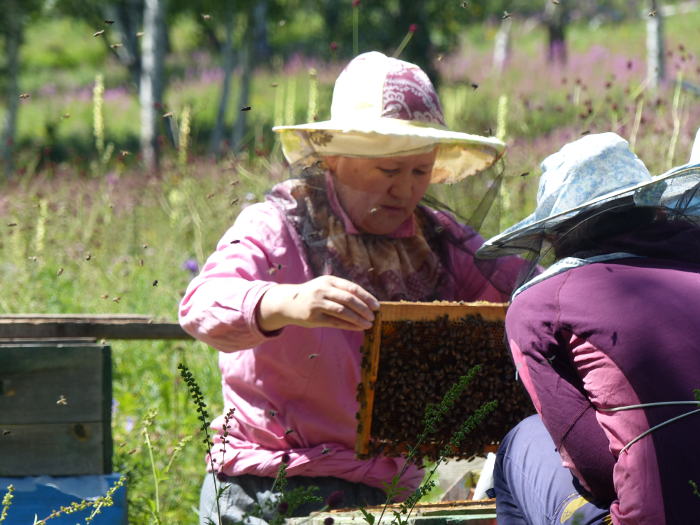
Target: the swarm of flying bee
(418, 362)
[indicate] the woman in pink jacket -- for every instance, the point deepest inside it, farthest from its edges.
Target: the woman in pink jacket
(294, 282)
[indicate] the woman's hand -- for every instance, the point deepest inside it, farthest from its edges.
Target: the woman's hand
(324, 301)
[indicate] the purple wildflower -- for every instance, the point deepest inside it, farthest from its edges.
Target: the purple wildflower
(129, 423)
(191, 266)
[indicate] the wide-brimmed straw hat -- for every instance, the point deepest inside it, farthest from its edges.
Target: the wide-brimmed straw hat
(595, 172)
(385, 107)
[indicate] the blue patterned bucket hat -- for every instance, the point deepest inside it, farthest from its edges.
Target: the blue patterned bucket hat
(588, 173)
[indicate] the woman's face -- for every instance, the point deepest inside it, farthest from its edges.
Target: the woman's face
(379, 194)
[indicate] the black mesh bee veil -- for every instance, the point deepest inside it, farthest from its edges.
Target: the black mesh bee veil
(354, 231)
(638, 221)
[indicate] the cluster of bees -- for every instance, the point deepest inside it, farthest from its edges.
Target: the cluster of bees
(418, 362)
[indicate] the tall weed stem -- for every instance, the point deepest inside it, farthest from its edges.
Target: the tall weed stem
(148, 421)
(676, 112)
(6, 502)
(434, 414)
(203, 416)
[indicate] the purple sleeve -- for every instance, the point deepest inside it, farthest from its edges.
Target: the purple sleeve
(540, 350)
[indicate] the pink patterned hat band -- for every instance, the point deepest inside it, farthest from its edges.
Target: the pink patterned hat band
(379, 86)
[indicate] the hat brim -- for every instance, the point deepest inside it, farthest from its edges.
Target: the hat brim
(459, 154)
(527, 234)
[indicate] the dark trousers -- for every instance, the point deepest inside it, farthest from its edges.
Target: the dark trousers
(533, 487)
(240, 495)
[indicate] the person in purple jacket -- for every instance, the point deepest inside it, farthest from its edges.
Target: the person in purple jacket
(607, 344)
(294, 282)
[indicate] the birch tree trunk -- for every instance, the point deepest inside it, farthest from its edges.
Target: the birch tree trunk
(656, 68)
(151, 86)
(13, 39)
(228, 63)
(501, 48)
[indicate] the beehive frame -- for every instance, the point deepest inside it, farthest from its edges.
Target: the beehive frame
(392, 312)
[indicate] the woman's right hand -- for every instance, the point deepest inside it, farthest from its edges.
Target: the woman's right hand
(325, 301)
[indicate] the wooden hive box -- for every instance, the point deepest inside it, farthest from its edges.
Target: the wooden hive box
(413, 354)
(55, 408)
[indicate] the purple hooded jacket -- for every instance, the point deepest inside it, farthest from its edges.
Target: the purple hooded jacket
(614, 334)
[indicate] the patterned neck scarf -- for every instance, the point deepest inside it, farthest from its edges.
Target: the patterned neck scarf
(390, 268)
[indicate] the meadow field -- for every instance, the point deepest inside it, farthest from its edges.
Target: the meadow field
(83, 229)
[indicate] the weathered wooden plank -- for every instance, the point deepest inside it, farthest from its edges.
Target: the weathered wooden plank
(55, 409)
(52, 384)
(58, 449)
(119, 326)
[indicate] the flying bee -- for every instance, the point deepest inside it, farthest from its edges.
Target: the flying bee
(288, 431)
(155, 282)
(652, 12)
(116, 299)
(59, 272)
(24, 96)
(274, 269)
(506, 14)
(246, 108)
(313, 356)
(116, 45)
(62, 400)
(88, 256)
(98, 33)
(139, 34)
(65, 115)
(109, 22)
(206, 16)
(168, 114)
(474, 85)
